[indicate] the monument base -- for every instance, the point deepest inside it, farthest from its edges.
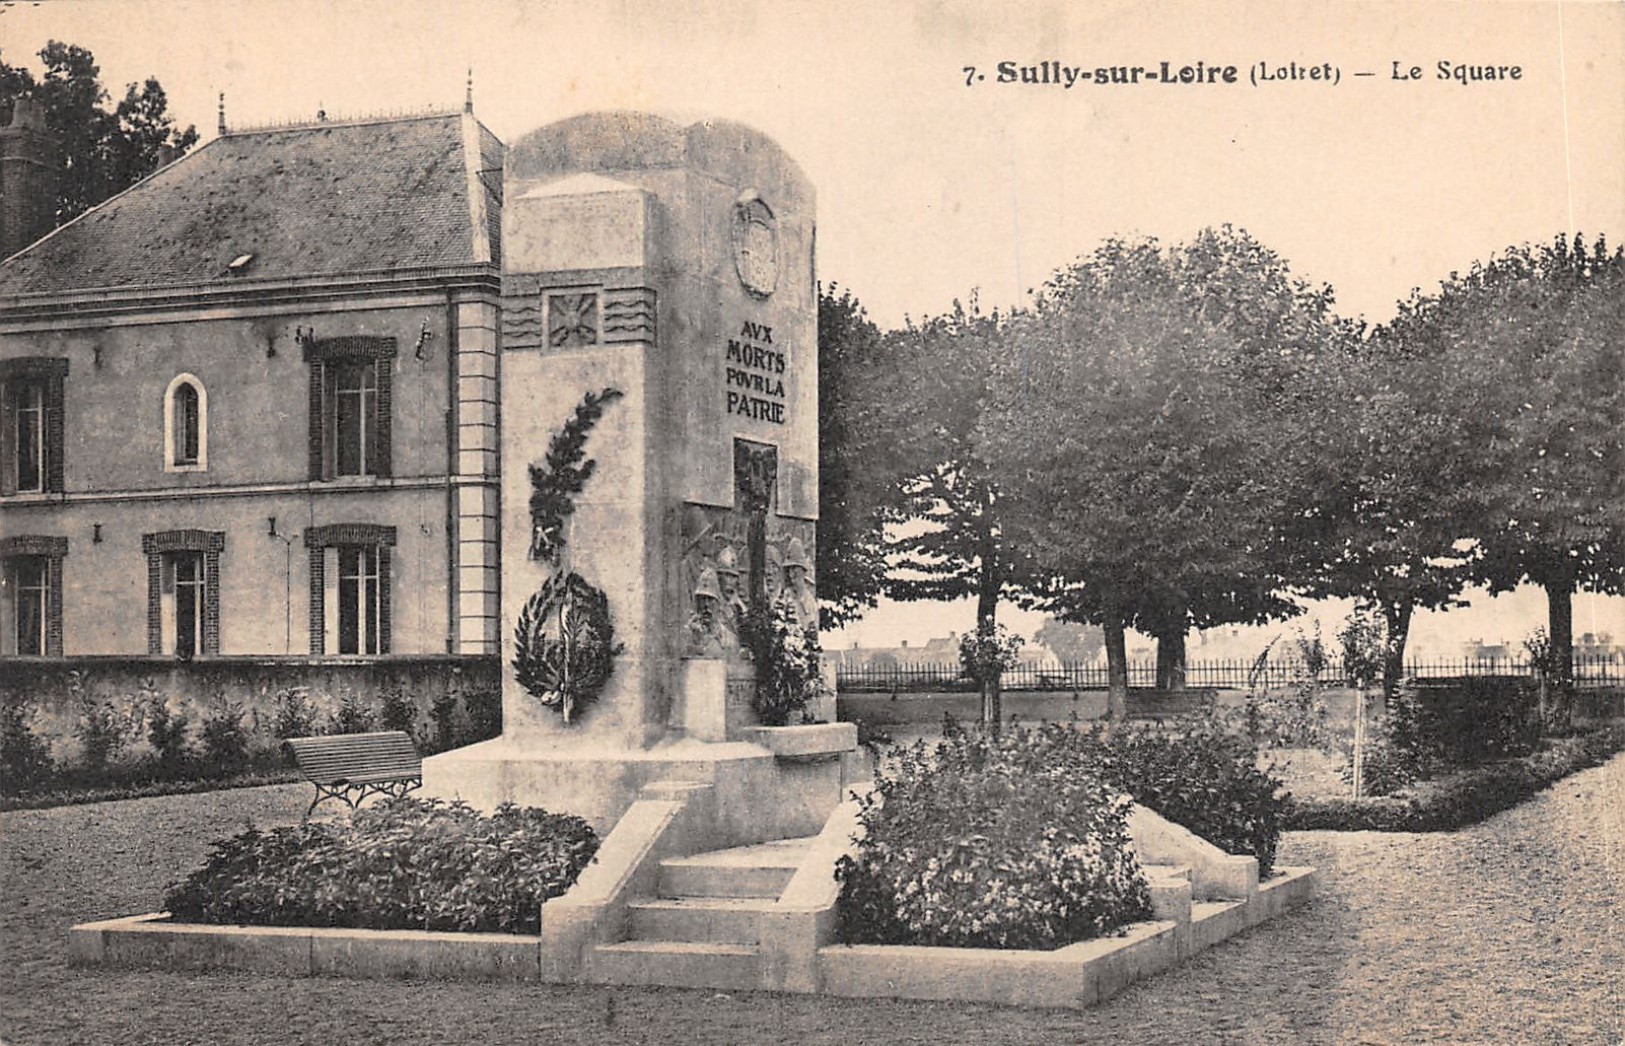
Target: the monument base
(757, 795)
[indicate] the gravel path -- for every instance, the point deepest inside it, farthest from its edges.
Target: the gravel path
(1509, 932)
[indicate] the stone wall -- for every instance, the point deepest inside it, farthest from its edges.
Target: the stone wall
(256, 685)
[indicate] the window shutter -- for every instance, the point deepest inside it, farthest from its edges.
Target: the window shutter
(381, 453)
(318, 418)
(55, 433)
(318, 602)
(8, 438)
(385, 554)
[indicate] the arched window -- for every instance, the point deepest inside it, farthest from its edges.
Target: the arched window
(186, 425)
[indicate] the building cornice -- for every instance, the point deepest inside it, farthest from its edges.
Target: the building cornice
(239, 490)
(90, 306)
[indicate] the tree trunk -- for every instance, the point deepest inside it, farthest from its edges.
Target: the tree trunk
(1397, 616)
(1116, 667)
(987, 609)
(1171, 662)
(1560, 631)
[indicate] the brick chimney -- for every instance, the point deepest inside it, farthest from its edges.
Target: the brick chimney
(27, 178)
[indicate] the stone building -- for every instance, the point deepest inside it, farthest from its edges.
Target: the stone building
(249, 404)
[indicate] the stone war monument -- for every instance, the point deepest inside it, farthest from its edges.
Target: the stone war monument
(659, 476)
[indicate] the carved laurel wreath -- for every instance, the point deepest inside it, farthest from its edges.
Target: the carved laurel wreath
(564, 642)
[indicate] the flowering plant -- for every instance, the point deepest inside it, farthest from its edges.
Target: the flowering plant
(787, 657)
(963, 845)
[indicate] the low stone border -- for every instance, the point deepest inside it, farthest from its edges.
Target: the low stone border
(154, 942)
(1075, 976)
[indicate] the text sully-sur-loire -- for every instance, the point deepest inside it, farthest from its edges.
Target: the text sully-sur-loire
(753, 375)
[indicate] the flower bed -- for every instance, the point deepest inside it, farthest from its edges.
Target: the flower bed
(402, 864)
(1197, 772)
(961, 848)
(1464, 797)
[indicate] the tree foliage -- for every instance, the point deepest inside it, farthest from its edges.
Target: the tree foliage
(953, 545)
(857, 472)
(102, 151)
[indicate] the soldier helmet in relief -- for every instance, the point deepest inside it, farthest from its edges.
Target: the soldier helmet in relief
(707, 585)
(727, 562)
(795, 555)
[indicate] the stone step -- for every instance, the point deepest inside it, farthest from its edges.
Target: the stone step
(762, 870)
(680, 964)
(716, 920)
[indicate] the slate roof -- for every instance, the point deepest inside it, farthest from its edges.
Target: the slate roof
(323, 199)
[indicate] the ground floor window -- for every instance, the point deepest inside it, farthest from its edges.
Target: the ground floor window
(29, 580)
(350, 588)
(31, 572)
(183, 592)
(358, 600)
(185, 588)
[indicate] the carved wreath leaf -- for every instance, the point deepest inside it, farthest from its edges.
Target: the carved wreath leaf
(561, 476)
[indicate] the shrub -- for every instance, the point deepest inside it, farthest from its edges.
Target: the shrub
(788, 662)
(484, 709)
(225, 741)
(352, 716)
(1296, 719)
(167, 733)
(1441, 725)
(1205, 778)
(1196, 772)
(103, 731)
(295, 714)
(989, 652)
(402, 864)
(398, 712)
(965, 848)
(1387, 767)
(25, 758)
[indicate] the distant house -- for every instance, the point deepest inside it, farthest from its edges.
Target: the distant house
(1477, 650)
(1599, 646)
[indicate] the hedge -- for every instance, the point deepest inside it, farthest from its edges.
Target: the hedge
(1464, 797)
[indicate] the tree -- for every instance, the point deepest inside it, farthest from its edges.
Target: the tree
(1539, 329)
(102, 152)
(858, 478)
(947, 541)
(1399, 487)
(1144, 427)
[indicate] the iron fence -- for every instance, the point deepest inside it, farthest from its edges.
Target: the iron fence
(1235, 674)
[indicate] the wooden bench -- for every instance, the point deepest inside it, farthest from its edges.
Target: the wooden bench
(351, 767)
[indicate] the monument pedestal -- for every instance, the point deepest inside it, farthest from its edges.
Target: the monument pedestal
(756, 794)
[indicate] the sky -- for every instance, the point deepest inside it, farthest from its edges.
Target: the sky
(932, 188)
